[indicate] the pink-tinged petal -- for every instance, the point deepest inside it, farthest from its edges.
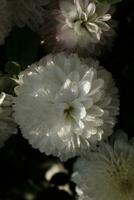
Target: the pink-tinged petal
(83, 4)
(77, 28)
(91, 9)
(68, 9)
(78, 5)
(66, 37)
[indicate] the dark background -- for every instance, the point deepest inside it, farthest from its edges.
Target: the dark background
(22, 168)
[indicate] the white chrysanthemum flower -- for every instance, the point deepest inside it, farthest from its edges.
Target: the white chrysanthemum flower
(28, 12)
(7, 124)
(81, 24)
(65, 103)
(108, 173)
(5, 21)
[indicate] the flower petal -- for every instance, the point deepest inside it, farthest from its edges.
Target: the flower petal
(78, 6)
(68, 10)
(91, 9)
(96, 86)
(104, 17)
(89, 75)
(65, 131)
(75, 76)
(95, 111)
(94, 121)
(84, 88)
(94, 29)
(90, 131)
(103, 25)
(79, 111)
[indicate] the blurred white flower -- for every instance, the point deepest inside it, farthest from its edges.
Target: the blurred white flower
(81, 24)
(27, 12)
(108, 173)
(7, 124)
(65, 103)
(5, 21)
(55, 169)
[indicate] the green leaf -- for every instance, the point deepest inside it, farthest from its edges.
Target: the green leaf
(12, 68)
(22, 46)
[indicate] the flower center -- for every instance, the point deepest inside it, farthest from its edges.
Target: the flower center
(67, 111)
(126, 186)
(123, 181)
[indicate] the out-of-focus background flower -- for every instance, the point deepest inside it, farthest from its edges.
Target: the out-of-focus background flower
(27, 174)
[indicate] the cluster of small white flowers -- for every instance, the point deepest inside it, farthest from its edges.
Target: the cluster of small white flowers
(7, 124)
(108, 172)
(5, 21)
(65, 103)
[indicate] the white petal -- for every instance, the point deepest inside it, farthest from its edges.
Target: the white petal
(68, 92)
(88, 103)
(89, 75)
(74, 76)
(80, 124)
(104, 17)
(77, 28)
(97, 97)
(96, 111)
(2, 97)
(67, 84)
(94, 121)
(79, 111)
(94, 29)
(103, 25)
(78, 5)
(91, 9)
(90, 131)
(96, 86)
(68, 9)
(84, 87)
(65, 131)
